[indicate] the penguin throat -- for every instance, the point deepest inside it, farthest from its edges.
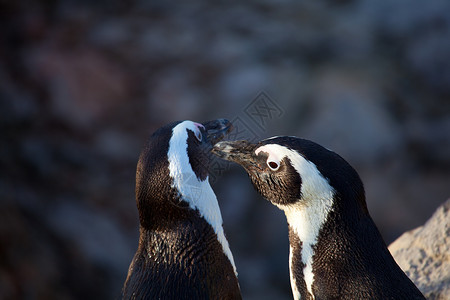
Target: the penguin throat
(198, 194)
(307, 216)
(306, 223)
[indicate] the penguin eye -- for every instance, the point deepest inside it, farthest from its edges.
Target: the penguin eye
(273, 165)
(198, 135)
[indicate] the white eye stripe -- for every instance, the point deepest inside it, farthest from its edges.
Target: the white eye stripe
(198, 135)
(273, 154)
(273, 160)
(198, 125)
(197, 193)
(197, 132)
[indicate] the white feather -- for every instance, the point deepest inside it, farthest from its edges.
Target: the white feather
(197, 193)
(294, 287)
(306, 216)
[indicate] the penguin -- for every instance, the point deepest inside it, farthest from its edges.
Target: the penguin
(183, 252)
(336, 250)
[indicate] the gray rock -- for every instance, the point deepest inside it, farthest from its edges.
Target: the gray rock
(424, 254)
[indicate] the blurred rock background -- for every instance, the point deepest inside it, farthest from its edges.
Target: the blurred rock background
(424, 254)
(83, 84)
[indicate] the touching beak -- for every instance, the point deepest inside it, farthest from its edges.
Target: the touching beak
(241, 152)
(216, 130)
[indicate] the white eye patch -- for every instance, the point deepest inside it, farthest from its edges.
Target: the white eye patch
(197, 131)
(198, 135)
(198, 125)
(274, 158)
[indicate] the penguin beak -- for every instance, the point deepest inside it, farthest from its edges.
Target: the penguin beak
(241, 152)
(216, 130)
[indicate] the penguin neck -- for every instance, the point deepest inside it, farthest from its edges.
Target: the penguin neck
(199, 195)
(192, 189)
(202, 198)
(322, 234)
(305, 223)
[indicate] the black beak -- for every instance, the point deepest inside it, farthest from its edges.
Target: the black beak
(216, 130)
(241, 152)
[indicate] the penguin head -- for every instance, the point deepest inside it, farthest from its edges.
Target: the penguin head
(173, 166)
(291, 171)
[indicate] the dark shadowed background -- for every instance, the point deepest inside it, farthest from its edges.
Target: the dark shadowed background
(84, 83)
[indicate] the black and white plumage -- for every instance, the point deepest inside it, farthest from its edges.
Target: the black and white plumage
(182, 252)
(336, 251)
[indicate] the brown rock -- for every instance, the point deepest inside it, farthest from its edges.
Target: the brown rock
(424, 254)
